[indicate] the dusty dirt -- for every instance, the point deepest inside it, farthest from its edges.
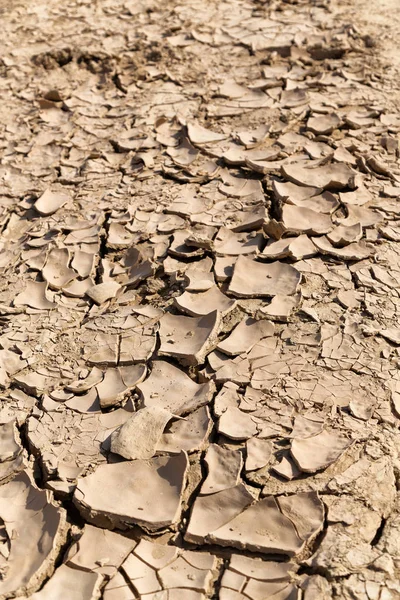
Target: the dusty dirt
(199, 300)
(381, 20)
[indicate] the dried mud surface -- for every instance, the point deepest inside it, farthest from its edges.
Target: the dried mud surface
(199, 302)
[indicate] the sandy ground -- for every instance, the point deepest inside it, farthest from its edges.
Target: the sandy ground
(199, 300)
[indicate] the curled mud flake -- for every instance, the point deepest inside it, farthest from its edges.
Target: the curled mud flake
(392, 334)
(199, 135)
(287, 468)
(49, 202)
(212, 511)
(85, 403)
(34, 295)
(293, 193)
(353, 251)
(281, 307)
(342, 236)
(78, 288)
(273, 532)
(299, 220)
(83, 263)
(324, 124)
(83, 385)
(56, 270)
(336, 176)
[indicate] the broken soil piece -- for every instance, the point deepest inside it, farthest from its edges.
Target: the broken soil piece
(10, 446)
(78, 288)
(36, 530)
(102, 292)
(343, 236)
(230, 243)
(49, 202)
(189, 433)
(287, 469)
(335, 176)
(260, 528)
(255, 279)
(258, 579)
(282, 525)
(292, 193)
(199, 136)
(391, 334)
(323, 124)
(224, 467)
(306, 511)
(236, 425)
(209, 512)
(139, 436)
(259, 453)
(353, 251)
(117, 382)
(298, 247)
(298, 220)
(118, 589)
(99, 550)
(73, 584)
(115, 494)
(252, 138)
(319, 451)
(248, 333)
(188, 339)
(170, 388)
(157, 570)
(83, 263)
(204, 303)
(281, 307)
(56, 270)
(85, 403)
(34, 295)
(83, 385)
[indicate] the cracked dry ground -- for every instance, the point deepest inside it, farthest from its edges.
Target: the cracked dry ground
(199, 302)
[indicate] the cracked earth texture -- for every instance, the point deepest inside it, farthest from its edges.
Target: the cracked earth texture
(199, 302)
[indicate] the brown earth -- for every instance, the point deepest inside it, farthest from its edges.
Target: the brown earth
(199, 300)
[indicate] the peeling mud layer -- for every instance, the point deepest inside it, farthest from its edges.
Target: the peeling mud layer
(199, 303)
